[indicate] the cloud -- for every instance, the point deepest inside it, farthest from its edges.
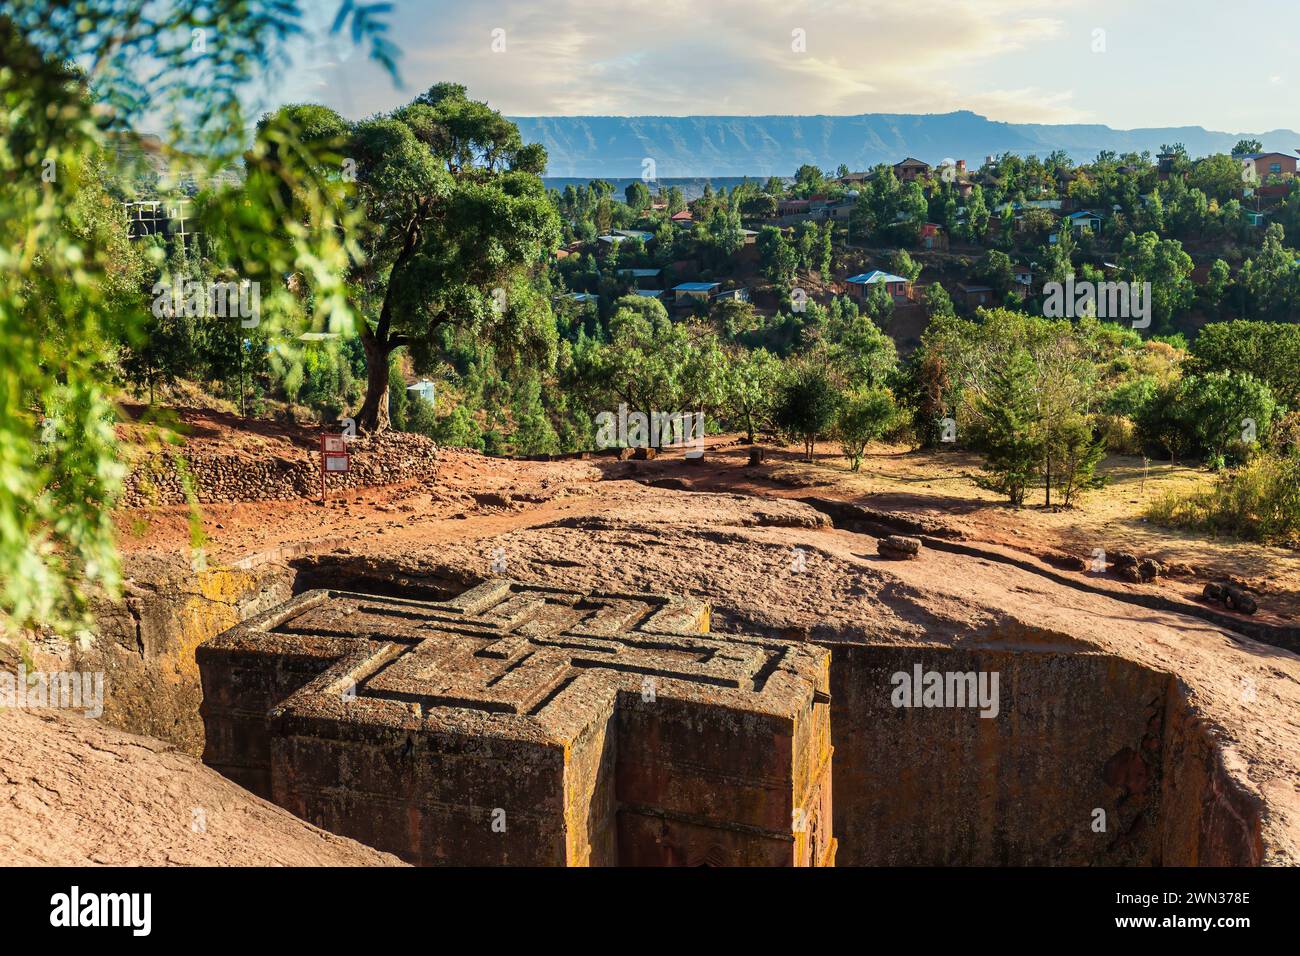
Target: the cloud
(669, 57)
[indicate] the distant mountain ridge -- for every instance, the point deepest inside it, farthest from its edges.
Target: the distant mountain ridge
(615, 146)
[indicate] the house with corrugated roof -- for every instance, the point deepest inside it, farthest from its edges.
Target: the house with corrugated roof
(859, 286)
(694, 291)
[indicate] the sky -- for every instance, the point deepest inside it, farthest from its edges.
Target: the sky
(1229, 65)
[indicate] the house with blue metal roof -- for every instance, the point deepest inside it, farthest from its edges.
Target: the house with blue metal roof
(859, 286)
(1085, 220)
(698, 291)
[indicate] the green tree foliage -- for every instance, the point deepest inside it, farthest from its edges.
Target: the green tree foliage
(734, 317)
(863, 417)
(398, 400)
(1008, 430)
(638, 196)
(1271, 279)
(777, 258)
(534, 434)
(457, 221)
(653, 364)
(880, 304)
(1210, 415)
(1266, 350)
(900, 263)
(1071, 455)
(970, 372)
(1164, 264)
(69, 286)
(458, 429)
(162, 348)
(996, 270)
(762, 206)
(937, 303)
(1218, 177)
(1225, 410)
(977, 216)
(808, 404)
(420, 417)
(1163, 422)
(863, 355)
(809, 181)
(720, 237)
(752, 389)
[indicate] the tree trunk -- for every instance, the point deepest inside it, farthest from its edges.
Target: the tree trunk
(379, 344)
(373, 416)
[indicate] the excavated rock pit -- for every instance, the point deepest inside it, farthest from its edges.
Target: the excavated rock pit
(1091, 759)
(1122, 734)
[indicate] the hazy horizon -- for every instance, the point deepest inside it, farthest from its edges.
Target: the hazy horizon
(1056, 62)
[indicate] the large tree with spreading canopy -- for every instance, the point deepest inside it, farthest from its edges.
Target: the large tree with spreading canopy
(457, 222)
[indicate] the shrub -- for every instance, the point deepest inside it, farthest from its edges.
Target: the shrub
(1071, 457)
(1206, 415)
(397, 397)
(1162, 421)
(863, 417)
(1119, 434)
(1259, 501)
(1219, 406)
(420, 417)
(1284, 437)
(458, 429)
(807, 405)
(1006, 430)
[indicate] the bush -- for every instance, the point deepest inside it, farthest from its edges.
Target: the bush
(1119, 435)
(863, 417)
(1072, 456)
(397, 397)
(1268, 350)
(807, 405)
(1130, 398)
(1259, 501)
(534, 434)
(1162, 421)
(458, 429)
(1006, 430)
(1206, 415)
(1219, 405)
(421, 418)
(1284, 437)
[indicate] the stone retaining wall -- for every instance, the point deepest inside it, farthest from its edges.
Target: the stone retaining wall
(384, 459)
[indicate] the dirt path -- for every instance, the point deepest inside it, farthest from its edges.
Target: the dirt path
(478, 497)
(938, 486)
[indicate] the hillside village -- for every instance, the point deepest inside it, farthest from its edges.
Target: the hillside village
(986, 236)
(1147, 305)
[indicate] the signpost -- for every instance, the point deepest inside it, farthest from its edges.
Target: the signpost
(333, 458)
